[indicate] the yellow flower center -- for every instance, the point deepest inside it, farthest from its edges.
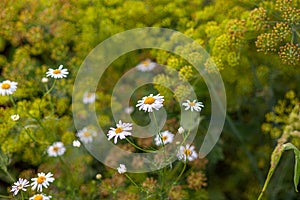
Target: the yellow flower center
(118, 130)
(164, 138)
(86, 134)
(20, 186)
(5, 86)
(149, 100)
(41, 179)
(192, 104)
(187, 152)
(55, 149)
(57, 71)
(146, 63)
(38, 197)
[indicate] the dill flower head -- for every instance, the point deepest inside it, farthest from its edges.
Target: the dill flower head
(86, 135)
(166, 137)
(40, 197)
(196, 180)
(148, 103)
(194, 105)
(56, 149)
(150, 184)
(146, 65)
(121, 131)
(43, 180)
(8, 87)
(57, 73)
(290, 54)
(21, 184)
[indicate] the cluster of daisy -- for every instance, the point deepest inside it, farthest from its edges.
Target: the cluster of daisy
(38, 183)
(149, 104)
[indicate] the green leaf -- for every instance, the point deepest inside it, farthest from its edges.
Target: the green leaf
(289, 146)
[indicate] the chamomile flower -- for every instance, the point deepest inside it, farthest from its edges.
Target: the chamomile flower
(121, 131)
(8, 87)
(76, 143)
(21, 184)
(129, 110)
(45, 80)
(122, 169)
(86, 135)
(187, 152)
(89, 97)
(56, 149)
(40, 197)
(181, 130)
(146, 65)
(15, 117)
(194, 105)
(43, 180)
(57, 73)
(148, 103)
(166, 137)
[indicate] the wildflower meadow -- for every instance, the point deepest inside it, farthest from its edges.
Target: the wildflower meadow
(154, 99)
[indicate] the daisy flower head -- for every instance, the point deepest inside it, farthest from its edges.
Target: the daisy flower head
(21, 184)
(86, 135)
(89, 97)
(187, 152)
(121, 131)
(56, 149)
(148, 103)
(194, 105)
(146, 65)
(181, 130)
(43, 180)
(45, 80)
(57, 73)
(15, 117)
(40, 197)
(166, 137)
(128, 110)
(122, 169)
(76, 143)
(8, 87)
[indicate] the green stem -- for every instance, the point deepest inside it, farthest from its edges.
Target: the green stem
(270, 173)
(50, 88)
(130, 142)
(13, 102)
(132, 181)
(6, 197)
(182, 171)
(8, 174)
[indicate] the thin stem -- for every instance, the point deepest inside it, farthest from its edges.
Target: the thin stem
(182, 171)
(129, 141)
(6, 197)
(13, 102)
(270, 173)
(132, 181)
(50, 88)
(8, 174)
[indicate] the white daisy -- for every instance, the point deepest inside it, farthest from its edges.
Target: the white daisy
(86, 135)
(8, 87)
(147, 103)
(121, 131)
(57, 73)
(45, 80)
(56, 149)
(187, 152)
(40, 197)
(89, 97)
(181, 130)
(76, 143)
(21, 184)
(122, 169)
(166, 137)
(146, 65)
(15, 117)
(41, 181)
(194, 105)
(129, 110)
